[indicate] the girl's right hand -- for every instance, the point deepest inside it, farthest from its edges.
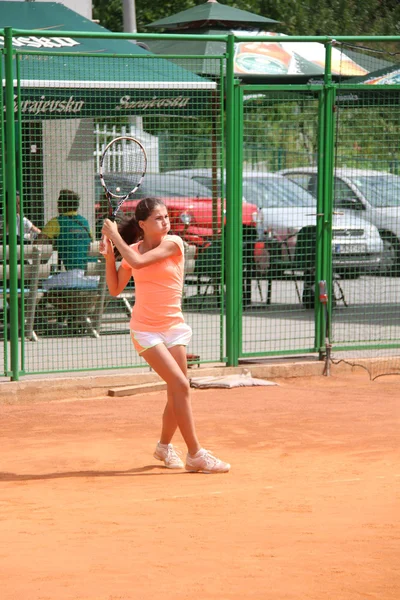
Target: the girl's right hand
(110, 229)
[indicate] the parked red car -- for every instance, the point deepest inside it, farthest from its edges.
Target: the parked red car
(189, 204)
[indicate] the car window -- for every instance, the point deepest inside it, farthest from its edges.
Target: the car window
(343, 194)
(302, 179)
(169, 186)
(162, 186)
(207, 182)
(312, 185)
(381, 191)
(275, 192)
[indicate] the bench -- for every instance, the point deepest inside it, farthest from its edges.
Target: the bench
(33, 266)
(72, 310)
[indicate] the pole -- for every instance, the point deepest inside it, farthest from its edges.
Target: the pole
(11, 201)
(231, 201)
(326, 274)
(129, 16)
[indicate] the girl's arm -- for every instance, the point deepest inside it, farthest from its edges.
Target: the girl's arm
(116, 279)
(166, 249)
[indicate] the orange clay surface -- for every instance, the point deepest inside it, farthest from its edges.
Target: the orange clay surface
(309, 511)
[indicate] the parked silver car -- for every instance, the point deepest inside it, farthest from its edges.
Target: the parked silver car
(374, 195)
(287, 208)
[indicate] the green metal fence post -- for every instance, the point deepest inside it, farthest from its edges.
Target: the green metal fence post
(231, 243)
(319, 267)
(237, 209)
(11, 204)
(2, 204)
(325, 203)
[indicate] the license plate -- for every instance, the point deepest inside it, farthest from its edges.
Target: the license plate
(350, 248)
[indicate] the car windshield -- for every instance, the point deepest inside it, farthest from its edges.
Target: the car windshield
(169, 186)
(160, 186)
(269, 192)
(275, 192)
(381, 191)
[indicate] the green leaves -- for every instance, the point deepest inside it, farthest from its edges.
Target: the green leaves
(297, 17)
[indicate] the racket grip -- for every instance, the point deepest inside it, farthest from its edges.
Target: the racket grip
(103, 241)
(103, 245)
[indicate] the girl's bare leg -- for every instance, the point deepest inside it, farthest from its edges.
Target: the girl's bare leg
(169, 423)
(167, 367)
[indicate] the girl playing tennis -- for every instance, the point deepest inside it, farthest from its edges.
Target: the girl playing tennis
(158, 330)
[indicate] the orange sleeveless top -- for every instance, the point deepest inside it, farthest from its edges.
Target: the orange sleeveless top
(158, 291)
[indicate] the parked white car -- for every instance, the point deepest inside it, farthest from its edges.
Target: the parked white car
(373, 195)
(287, 208)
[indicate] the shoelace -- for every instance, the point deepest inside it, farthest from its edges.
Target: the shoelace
(210, 459)
(173, 453)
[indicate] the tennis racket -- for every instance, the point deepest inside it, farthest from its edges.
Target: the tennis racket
(123, 165)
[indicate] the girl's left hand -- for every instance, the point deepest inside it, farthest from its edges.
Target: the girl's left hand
(110, 230)
(106, 248)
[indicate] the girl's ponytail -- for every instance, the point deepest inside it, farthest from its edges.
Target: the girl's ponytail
(129, 231)
(129, 228)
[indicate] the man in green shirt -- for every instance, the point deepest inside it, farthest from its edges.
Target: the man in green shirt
(67, 291)
(69, 233)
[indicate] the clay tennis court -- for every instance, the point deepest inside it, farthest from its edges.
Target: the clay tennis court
(309, 511)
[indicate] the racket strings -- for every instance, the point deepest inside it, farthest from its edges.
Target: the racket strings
(135, 164)
(123, 166)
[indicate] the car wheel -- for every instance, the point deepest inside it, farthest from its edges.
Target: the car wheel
(391, 249)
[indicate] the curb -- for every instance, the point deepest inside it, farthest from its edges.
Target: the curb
(90, 386)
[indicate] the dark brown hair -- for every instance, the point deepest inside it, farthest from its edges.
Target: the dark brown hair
(68, 200)
(129, 229)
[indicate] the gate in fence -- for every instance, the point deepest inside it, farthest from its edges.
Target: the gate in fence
(330, 214)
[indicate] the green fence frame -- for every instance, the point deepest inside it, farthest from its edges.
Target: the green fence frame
(233, 90)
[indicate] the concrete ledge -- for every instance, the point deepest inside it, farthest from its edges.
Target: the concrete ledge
(92, 385)
(140, 388)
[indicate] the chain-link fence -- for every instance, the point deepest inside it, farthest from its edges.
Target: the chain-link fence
(304, 191)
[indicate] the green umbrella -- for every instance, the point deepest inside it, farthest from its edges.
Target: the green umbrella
(209, 18)
(210, 14)
(203, 48)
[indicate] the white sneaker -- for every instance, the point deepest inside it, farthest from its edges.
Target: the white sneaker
(205, 462)
(169, 455)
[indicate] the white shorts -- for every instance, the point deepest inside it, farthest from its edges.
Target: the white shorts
(176, 336)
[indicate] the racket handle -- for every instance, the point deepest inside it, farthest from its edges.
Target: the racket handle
(103, 245)
(103, 241)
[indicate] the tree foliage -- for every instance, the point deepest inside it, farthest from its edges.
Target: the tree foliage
(287, 130)
(296, 17)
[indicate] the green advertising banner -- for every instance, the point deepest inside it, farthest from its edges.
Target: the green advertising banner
(43, 103)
